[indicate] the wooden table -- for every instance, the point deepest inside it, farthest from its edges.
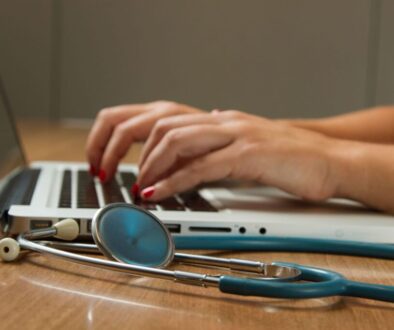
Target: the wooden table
(39, 292)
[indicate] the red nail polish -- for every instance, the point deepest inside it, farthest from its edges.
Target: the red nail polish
(148, 192)
(102, 175)
(92, 170)
(135, 189)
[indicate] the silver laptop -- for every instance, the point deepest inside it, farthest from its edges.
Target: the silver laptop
(39, 194)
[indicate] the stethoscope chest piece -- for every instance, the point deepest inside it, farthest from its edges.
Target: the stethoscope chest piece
(129, 234)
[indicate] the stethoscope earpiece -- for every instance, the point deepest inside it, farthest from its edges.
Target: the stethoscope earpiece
(9, 249)
(67, 229)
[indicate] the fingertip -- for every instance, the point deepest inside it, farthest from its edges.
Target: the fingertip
(93, 170)
(102, 175)
(135, 189)
(148, 192)
(108, 168)
(157, 191)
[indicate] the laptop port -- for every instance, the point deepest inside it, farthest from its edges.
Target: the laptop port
(78, 221)
(242, 230)
(173, 228)
(211, 229)
(89, 226)
(40, 224)
(262, 230)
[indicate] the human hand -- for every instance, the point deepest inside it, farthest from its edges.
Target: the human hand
(184, 151)
(116, 128)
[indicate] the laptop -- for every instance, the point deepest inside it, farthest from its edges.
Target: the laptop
(39, 194)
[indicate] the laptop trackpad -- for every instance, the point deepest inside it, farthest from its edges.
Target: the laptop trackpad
(254, 197)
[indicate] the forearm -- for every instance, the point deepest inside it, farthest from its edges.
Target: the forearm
(364, 172)
(372, 125)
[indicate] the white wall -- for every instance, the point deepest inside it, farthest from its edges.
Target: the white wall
(385, 68)
(25, 54)
(277, 58)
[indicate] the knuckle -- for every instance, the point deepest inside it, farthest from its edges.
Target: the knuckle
(105, 114)
(238, 126)
(164, 105)
(250, 148)
(172, 138)
(161, 127)
(170, 108)
(121, 130)
(234, 114)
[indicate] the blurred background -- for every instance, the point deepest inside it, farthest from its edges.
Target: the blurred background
(277, 58)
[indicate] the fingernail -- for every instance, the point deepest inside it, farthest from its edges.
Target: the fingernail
(215, 111)
(135, 189)
(92, 170)
(102, 175)
(148, 192)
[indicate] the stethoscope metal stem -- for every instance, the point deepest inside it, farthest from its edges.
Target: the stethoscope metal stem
(40, 233)
(265, 270)
(203, 280)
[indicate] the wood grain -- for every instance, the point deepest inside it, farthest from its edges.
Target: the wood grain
(39, 292)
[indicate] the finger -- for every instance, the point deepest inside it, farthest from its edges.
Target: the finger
(211, 167)
(166, 124)
(122, 137)
(163, 126)
(181, 143)
(102, 129)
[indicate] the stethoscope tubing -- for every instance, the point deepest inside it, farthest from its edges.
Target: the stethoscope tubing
(329, 283)
(285, 244)
(323, 283)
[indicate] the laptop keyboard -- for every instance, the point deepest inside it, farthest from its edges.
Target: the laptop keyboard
(112, 193)
(29, 180)
(86, 191)
(65, 195)
(19, 190)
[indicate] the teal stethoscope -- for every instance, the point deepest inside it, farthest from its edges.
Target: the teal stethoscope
(139, 244)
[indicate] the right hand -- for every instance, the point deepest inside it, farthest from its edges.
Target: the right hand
(116, 128)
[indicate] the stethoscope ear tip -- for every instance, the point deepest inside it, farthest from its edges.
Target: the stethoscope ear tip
(67, 229)
(9, 249)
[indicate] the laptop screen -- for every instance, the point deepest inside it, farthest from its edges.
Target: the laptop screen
(11, 155)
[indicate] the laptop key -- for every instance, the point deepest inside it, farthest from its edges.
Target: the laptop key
(20, 188)
(112, 193)
(171, 204)
(195, 202)
(128, 179)
(30, 175)
(65, 195)
(86, 197)
(145, 204)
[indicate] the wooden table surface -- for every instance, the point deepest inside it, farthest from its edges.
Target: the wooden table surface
(39, 292)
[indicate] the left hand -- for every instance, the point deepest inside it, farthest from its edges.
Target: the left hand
(184, 151)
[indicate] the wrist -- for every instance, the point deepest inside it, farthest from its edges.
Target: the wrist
(348, 169)
(315, 125)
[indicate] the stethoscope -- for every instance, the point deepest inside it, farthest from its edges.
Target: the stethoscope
(139, 244)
